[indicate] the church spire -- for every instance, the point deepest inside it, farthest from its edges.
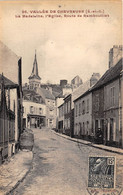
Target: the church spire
(34, 73)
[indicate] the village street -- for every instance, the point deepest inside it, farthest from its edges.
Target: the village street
(60, 166)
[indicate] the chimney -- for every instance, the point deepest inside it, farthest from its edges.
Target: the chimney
(50, 89)
(94, 78)
(115, 54)
(63, 83)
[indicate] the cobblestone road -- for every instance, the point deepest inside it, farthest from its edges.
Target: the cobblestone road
(60, 166)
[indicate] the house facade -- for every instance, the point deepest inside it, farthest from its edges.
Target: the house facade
(82, 104)
(113, 107)
(98, 111)
(107, 106)
(58, 101)
(67, 115)
(83, 116)
(34, 110)
(11, 105)
(61, 118)
(50, 112)
(50, 107)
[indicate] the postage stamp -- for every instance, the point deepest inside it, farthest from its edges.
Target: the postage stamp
(101, 172)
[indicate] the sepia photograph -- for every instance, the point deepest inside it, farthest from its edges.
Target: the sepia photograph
(61, 97)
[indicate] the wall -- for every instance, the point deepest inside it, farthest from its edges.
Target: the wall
(14, 103)
(67, 115)
(112, 110)
(27, 105)
(79, 91)
(61, 118)
(50, 113)
(8, 63)
(81, 117)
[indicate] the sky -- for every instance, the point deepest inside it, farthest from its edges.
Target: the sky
(65, 47)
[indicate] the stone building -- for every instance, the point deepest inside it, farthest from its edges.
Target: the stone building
(67, 115)
(107, 105)
(61, 118)
(34, 110)
(82, 99)
(10, 101)
(83, 116)
(59, 100)
(50, 107)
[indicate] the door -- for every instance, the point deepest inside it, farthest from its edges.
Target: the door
(24, 123)
(111, 129)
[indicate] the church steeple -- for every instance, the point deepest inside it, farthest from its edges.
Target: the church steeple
(34, 79)
(34, 73)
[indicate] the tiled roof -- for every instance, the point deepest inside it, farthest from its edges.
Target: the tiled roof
(67, 96)
(109, 75)
(81, 90)
(55, 94)
(34, 77)
(60, 95)
(7, 82)
(31, 93)
(47, 94)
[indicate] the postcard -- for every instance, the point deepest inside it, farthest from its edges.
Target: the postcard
(61, 92)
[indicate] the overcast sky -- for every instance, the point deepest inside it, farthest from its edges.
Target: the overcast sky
(65, 47)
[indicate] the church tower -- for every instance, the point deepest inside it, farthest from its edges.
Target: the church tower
(34, 79)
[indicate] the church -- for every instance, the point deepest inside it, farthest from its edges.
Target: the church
(39, 103)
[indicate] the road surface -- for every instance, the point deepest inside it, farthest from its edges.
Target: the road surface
(60, 166)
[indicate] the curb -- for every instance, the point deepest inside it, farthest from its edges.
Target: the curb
(89, 144)
(21, 180)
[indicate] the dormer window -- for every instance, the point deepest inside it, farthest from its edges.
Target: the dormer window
(31, 109)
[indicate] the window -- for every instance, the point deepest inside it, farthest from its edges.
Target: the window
(76, 109)
(50, 121)
(87, 127)
(51, 112)
(79, 109)
(40, 110)
(83, 107)
(7, 98)
(14, 105)
(62, 110)
(112, 96)
(69, 106)
(68, 123)
(83, 128)
(87, 105)
(96, 102)
(59, 112)
(31, 109)
(65, 107)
